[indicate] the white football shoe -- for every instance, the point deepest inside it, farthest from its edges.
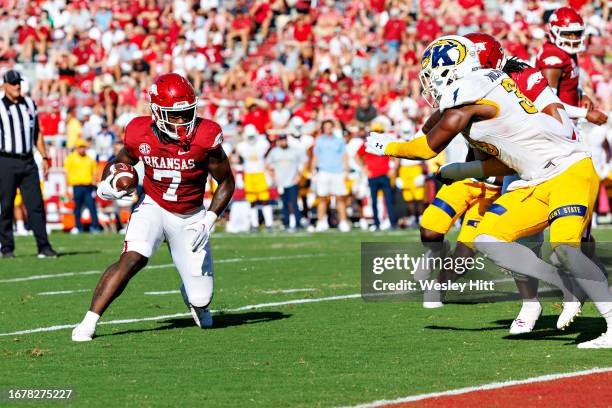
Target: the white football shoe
(526, 319)
(432, 305)
(321, 226)
(344, 226)
(83, 333)
(570, 311)
(202, 316)
(602, 342)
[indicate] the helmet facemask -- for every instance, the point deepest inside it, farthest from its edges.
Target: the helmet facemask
(178, 121)
(434, 82)
(569, 45)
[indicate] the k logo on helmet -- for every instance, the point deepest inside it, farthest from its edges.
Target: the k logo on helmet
(442, 53)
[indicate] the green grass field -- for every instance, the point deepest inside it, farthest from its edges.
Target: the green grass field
(323, 353)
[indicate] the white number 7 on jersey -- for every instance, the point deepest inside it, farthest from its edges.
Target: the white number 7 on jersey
(175, 175)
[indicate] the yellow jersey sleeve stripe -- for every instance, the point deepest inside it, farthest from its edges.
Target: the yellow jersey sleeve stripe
(490, 103)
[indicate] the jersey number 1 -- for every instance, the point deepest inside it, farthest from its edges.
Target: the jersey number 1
(510, 86)
(175, 175)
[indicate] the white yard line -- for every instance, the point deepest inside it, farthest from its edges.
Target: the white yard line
(162, 317)
(271, 292)
(163, 292)
(64, 292)
(161, 266)
(484, 387)
(56, 275)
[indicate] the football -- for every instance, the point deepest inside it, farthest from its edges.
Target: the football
(125, 177)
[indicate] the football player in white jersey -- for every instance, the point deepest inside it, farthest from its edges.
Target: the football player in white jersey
(558, 185)
(253, 151)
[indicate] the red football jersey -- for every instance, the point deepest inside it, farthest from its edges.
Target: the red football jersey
(174, 178)
(530, 81)
(551, 56)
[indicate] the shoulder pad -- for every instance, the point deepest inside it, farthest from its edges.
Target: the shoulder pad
(471, 88)
(135, 125)
(552, 57)
(208, 133)
(138, 122)
(531, 82)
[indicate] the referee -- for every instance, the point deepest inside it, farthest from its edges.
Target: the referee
(19, 132)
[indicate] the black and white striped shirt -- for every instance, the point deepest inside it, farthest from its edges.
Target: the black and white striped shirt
(18, 125)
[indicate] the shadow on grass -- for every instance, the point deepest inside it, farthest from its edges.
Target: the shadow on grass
(70, 253)
(221, 321)
(498, 296)
(587, 328)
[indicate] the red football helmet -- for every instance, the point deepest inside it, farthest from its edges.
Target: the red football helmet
(490, 51)
(173, 104)
(563, 23)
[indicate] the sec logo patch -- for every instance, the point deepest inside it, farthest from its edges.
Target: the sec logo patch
(144, 148)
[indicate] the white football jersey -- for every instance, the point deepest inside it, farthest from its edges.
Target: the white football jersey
(253, 154)
(532, 143)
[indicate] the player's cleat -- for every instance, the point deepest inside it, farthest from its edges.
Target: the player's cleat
(202, 316)
(82, 333)
(344, 226)
(527, 318)
(570, 311)
(7, 255)
(602, 342)
(322, 226)
(47, 253)
(432, 305)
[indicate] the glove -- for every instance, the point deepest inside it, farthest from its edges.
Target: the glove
(376, 143)
(107, 192)
(202, 230)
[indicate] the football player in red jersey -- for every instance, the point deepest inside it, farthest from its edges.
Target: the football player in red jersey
(178, 150)
(559, 64)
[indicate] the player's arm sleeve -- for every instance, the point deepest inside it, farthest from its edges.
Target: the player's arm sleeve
(575, 112)
(417, 148)
(546, 97)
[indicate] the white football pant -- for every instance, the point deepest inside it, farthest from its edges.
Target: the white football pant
(150, 225)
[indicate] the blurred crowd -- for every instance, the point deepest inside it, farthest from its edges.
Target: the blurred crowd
(287, 69)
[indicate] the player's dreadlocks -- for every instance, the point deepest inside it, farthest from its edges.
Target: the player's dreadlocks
(513, 65)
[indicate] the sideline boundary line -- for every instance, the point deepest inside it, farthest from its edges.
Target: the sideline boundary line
(483, 387)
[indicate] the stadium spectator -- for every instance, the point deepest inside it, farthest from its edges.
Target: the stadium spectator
(366, 110)
(330, 163)
(253, 151)
(378, 169)
(74, 128)
(81, 175)
(103, 143)
(287, 164)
